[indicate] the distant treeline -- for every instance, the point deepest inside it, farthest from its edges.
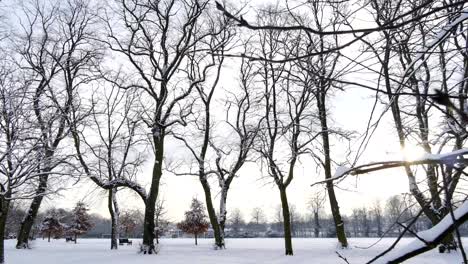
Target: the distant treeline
(370, 221)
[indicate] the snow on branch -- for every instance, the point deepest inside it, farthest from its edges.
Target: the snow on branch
(428, 239)
(455, 159)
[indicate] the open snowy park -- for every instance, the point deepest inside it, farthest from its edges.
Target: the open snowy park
(239, 251)
(286, 131)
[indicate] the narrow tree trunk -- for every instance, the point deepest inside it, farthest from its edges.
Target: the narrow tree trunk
(316, 224)
(150, 205)
(219, 241)
(286, 222)
(196, 242)
(48, 238)
(339, 225)
(4, 206)
(427, 208)
(76, 235)
(111, 202)
(29, 219)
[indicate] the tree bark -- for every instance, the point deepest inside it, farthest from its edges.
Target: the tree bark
(4, 206)
(75, 237)
(223, 212)
(219, 240)
(150, 205)
(286, 222)
(339, 225)
(111, 202)
(26, 225)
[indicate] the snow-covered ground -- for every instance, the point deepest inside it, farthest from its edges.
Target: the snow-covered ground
(175, 251)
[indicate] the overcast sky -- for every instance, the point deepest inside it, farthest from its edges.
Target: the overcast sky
(349, 110)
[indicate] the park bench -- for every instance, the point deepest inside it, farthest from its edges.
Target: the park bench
(124, 241)
(448, 248)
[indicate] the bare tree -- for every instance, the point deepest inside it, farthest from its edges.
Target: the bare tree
(160, 220)
(288, 111)
(117, 154)
(236, 221)
(428, 239)
(377, 217)
(128, 221)
(258, 216)
(205, 72)
(404, 55)
(316, 203)
(57, 55)
(229, 157)
(20, 153)
(156, 48)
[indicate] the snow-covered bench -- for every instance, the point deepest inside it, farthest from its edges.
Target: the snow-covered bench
(124, 241)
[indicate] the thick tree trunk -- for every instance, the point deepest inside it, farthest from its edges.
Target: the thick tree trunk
(150, 205)
(4, 206)
(219, 240)
(286, 222)
(113, 210)
(26, 225)
(339, 225)
(223, 212)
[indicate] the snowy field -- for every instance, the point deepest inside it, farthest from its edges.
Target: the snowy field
(181, 251)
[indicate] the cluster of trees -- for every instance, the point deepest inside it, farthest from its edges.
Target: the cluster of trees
(373, 220)
(98, 88)
(54, 225)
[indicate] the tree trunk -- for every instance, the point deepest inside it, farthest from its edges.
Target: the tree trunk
(113, 210)
(339, 225)
(219, 240)
(76, 235)
(196, 242)
(4, 206)
(29, 219)
(150, 205)
(223, 212)
(286, 222)
(430, 210)
(48, 238)
(316, 224)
